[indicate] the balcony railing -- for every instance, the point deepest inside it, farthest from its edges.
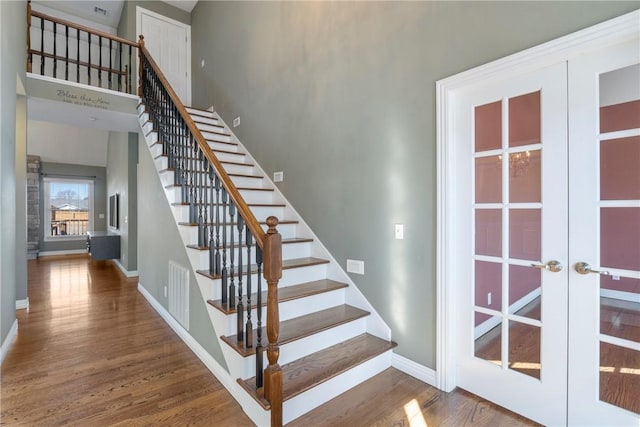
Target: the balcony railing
(64, 50)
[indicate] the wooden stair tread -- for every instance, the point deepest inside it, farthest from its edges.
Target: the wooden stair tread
(286, 265)
(284, 242)
(237, 188)
(280, 222)
(257, 205)
(288, 293)
(303, 374)
(301, 327)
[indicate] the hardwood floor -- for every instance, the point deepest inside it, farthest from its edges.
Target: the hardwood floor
(91, 351)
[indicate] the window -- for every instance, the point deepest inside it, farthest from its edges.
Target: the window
(68, 208)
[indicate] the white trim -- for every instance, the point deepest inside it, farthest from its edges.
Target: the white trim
(127, 273)
(8, 341)
(65, 252)
(416, 370)
(538, 57)
(22, 304)
(139, 12)
(620, 295)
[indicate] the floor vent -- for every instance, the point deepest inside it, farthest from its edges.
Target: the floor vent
(179, 293)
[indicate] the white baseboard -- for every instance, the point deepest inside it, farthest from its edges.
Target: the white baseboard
(132, 273)
(8, 342)
(216, 369)
(67, 252)
(22, 303)
(414, 369)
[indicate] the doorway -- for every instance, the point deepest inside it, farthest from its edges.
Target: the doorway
(540, 229)
(169, 42)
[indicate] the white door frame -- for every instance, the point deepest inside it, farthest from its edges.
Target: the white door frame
(560, 50)
(139, 12)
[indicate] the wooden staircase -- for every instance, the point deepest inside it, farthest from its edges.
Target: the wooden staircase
(330, 339)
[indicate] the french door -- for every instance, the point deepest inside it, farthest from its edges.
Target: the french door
(547, 226)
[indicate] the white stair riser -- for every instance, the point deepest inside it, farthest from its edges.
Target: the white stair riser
(143, 116)
(290, 276)
(322, 393)
(212, 136)
(252, 182)
(303, 347)
(147, 127)
(250, 196)
(222, 146)
(152, 138)
(287, 309)
(190, 233)
(200, 258)
(243, 169)
(140, 108)
(156, 150)
(210, 127)
(210, 115)
(230, 157)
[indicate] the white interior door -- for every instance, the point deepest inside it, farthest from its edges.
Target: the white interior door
(604, 231)
(546, 211)
(169, 42)
(512, 317)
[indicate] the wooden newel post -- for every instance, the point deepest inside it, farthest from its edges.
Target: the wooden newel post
(272, 273)
(140, 46)
(29, 57)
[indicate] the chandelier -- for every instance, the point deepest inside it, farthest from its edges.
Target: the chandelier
(518, 163)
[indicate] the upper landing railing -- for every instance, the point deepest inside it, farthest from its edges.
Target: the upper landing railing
(64, 50)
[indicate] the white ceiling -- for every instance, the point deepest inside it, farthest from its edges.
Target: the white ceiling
(86, 9)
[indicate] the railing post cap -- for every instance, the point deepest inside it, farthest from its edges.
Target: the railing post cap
(141, 39)
(272, 223)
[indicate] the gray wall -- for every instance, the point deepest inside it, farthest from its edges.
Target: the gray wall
(99, 201)
(12, 68)
(21, 197)
(341, 97)
(122, 161)
(160, 242)
(127, 25)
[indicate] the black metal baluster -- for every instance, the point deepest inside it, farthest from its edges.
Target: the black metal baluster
(184, 178)
(212, 206)
(225, 272)
(41, 47)
(259, 349)
(78, 55)
(89, 58)
(217, 254)
(205, 201)
(99, 61)
(240, 308)
(119, 66)
(129, 70)
(110, 64)
(66, 55)
(193, 219)
(55, 50)
(248, 341)
(201, 226)
(232, 286)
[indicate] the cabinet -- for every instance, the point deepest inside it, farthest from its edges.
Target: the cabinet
(103, 245)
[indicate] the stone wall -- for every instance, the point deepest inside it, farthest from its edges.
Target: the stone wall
(33, 206)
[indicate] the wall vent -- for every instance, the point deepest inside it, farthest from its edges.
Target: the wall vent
(179, 293)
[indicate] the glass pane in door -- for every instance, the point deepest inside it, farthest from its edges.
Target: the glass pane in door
(620, 238)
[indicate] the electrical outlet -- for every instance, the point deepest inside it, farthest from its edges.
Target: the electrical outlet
(489, 298)
(355, 266)
(202, 63)
(399, 230)
(236, 122)
(166, 293)
(278, 176)
(101, 216)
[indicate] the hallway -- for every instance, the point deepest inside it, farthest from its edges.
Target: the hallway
(91, 351)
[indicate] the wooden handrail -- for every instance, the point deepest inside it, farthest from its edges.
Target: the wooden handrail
(228, 185)
(82, 28)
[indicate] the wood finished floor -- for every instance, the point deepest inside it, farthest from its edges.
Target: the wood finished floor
(91, 351)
